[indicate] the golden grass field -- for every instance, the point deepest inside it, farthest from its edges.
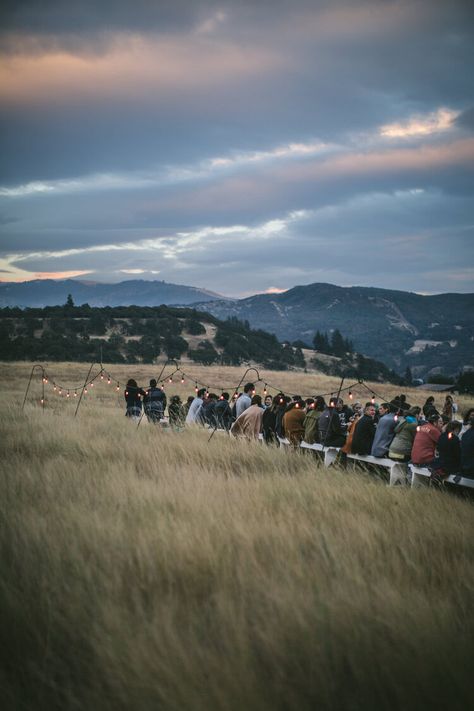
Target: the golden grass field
(144, 569)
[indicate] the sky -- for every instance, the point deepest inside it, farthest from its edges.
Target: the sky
(241, 147)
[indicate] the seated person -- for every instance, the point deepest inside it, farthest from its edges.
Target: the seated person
(293, 422)
(426, 439)
(310, 424)
(331, 432)
(448, 458)
(385, 431)
(404, 435)
(467, 449)
(249, 423)
(364, 432)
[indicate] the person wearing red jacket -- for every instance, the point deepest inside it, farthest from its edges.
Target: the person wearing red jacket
(426, 439)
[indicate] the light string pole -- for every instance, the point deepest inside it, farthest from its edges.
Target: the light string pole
(37, 366)
(85, 385)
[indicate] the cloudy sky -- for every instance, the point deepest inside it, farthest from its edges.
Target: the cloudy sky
(240, 146)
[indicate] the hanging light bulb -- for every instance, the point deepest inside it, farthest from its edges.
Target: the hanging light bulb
(101, 376)
(60, 392)
(372, 400)
(118, 386)
(108, 381)
(67, 394)
(75, 393)
(85, 391)
(182, 380)
(92, 385)
(265, 389)
(170, 379)
(350, 395)
(42, 401)
(55, 388)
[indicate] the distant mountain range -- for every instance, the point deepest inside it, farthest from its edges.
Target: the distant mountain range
(426, 333)
(50, 292)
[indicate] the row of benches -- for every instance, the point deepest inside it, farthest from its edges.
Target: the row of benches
(399, 473)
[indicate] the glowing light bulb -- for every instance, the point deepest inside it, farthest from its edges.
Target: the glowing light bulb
(67, 394)
(108, 381)
(85, 391)
(182, 380)
(350, 396)
(373, 400)
(92, 385)
(101, 376)
(118, 387)
(75, 393)
(170, 380)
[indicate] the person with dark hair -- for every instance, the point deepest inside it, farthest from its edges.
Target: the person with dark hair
(466, 420)
(194, 410)
(176, 412)
(267, 401)
(133, 397)
(310, 425)
(249, 423)
(426, 439)
(344, 413)
(364, 432)
(223, 413)
(154, 402)
(449, 407)
(331, 433)
(207, 412)
(429, 408)
(385, 431)
(404, 435)
(467, 447)
(293, 422)
(244, 400)
(283, 402)
(187, 404)
(269, 421)
(448, 448)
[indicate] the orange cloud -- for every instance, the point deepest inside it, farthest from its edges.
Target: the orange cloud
(131, 67)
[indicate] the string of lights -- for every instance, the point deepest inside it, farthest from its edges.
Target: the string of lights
(105, 376)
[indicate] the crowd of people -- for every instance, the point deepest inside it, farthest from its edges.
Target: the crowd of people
(426, 436)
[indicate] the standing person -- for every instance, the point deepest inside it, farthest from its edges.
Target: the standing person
(293, 422)
(269, 419)
(384, 432)
(154, 402)
(176, 412)
(244, 401)
(449, 407)
(426, 439)
(133, 397)
(268, 401)
(223, 413)
(429, 408)
(207, 412)
(195, 408)
(364, 432)
(249, 423)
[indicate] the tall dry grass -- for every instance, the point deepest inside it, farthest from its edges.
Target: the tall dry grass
(144, 569)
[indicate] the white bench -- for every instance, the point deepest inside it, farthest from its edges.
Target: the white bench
(329, 453)
(397, 470)
(423, 474)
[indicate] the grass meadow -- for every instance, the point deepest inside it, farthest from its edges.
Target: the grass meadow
(144, 569)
